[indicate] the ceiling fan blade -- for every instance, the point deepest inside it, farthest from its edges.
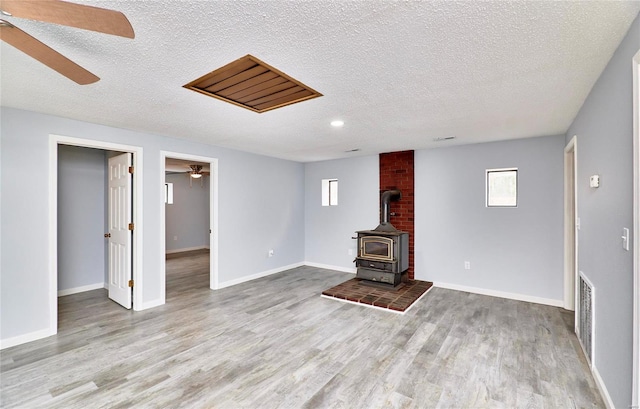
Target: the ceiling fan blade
(45, 54)
(70, 14)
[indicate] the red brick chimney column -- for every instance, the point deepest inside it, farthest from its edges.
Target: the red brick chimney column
(396, 172)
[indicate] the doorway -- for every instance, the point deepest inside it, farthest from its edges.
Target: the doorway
(176, 169)
(570, 225)
(636, 231)
(94, 216)
(82, 221)
(135, 155)
(187, 227)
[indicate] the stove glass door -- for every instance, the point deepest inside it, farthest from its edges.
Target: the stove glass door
(376, 248)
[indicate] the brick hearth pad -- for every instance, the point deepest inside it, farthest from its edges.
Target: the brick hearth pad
(395, 300)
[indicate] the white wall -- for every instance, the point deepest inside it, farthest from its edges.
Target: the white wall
(328, 229)
(511, 250)
(515, 252)
(81, 217)
(604, 129)
(187, 219)
(260, 207)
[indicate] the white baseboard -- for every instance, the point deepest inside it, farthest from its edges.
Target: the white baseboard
(603, 389)
(257, 275)
(351, 270)
(501, 294)
(75, 290)
(23, 339)
(185, 249)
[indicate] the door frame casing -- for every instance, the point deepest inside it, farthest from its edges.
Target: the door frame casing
(137, 247)
(570, 225)
(635, 402)
(213, 216)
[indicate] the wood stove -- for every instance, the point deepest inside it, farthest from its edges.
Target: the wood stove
(383, 253)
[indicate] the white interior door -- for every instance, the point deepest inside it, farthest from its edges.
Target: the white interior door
(119, 232)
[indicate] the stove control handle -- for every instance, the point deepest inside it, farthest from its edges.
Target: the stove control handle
(354, 238)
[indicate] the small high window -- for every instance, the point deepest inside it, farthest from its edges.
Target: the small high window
(329, 192)
(168, 193)
(502, 187)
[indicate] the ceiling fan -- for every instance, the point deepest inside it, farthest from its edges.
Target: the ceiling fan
(197, 172)
(64, 13)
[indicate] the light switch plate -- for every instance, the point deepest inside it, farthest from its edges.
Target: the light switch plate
(625, 239)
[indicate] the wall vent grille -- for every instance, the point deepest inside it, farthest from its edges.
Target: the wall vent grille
(584, 329)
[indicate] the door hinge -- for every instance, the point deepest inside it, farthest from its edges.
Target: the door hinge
(130, 226)
(130, 283)
(130, 169)
(107, 235)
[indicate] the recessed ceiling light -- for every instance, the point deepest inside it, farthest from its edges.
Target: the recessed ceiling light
(337, 124)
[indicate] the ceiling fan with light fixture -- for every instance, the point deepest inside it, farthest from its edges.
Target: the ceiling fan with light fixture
(64, 13)
(197, 172)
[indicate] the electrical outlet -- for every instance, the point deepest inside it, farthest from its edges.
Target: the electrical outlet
(175, 238)
(271, 253)
(467, 265)
(350, 252)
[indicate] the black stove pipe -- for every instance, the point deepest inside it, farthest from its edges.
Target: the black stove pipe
(385, 210)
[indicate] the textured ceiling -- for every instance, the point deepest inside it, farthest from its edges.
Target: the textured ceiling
(398, 73)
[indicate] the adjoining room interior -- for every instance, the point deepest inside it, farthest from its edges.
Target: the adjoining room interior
(496, 145)
(82, 247)
(91, 253)
(187, 224)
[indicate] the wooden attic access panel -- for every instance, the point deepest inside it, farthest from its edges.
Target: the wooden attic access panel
(252, 84)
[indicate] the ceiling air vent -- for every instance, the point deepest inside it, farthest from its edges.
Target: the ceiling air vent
(252, 84)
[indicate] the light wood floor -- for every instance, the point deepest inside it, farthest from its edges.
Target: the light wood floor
(274, 342)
